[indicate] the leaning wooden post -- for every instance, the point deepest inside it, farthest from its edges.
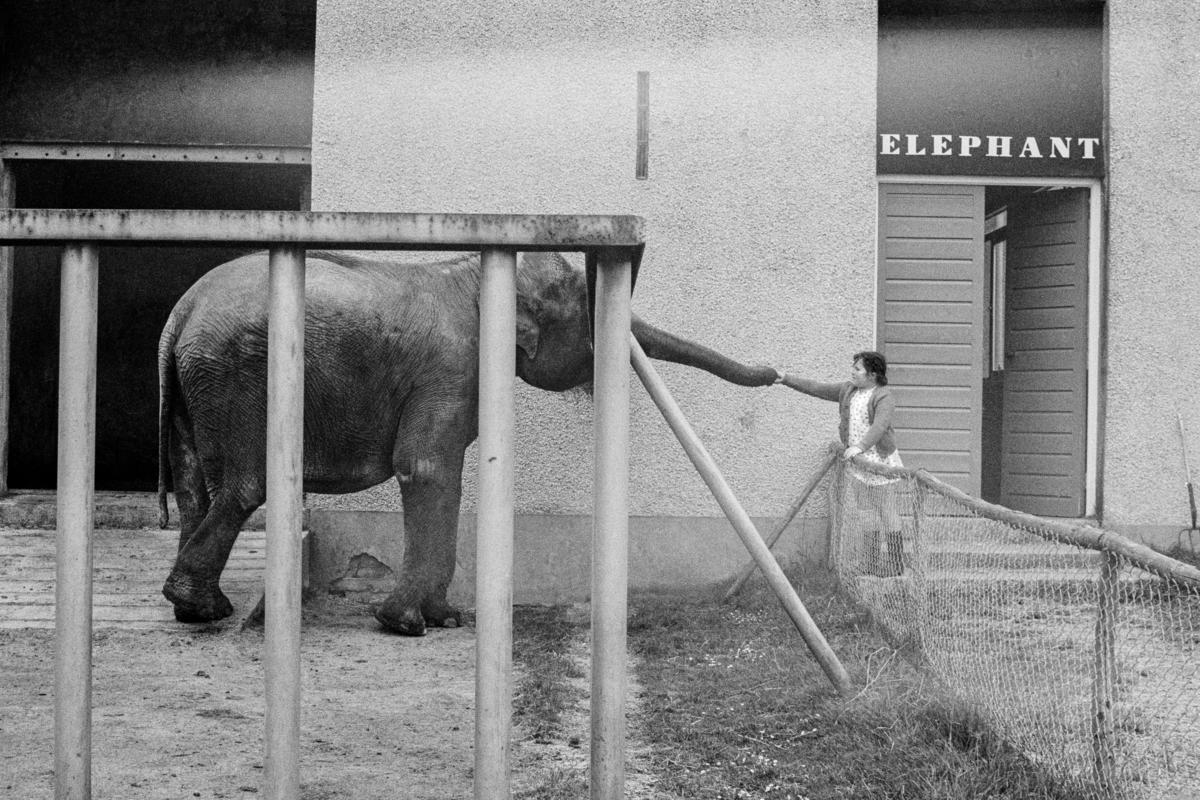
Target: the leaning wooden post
(494, 531)
(781, 525)
(76, 493)
(742, 524)
(610, 537)
(285, 472)
(1104, 681)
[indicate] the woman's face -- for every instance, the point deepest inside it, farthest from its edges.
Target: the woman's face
(860, 377)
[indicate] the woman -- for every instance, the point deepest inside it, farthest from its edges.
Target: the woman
(865, 404)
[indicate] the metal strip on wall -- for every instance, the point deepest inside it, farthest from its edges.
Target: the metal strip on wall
(145, 151)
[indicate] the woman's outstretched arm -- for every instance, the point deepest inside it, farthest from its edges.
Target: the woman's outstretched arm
(825, 391)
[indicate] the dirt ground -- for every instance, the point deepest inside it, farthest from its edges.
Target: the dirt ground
(179, 714)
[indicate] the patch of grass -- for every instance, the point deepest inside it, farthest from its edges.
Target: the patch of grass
(560, 784)
(736, 707)
(541, 642)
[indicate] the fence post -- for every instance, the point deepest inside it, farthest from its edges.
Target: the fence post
(285, 506)
(1104, 681)
(610, 537)
(836, 533)
(76, 494)
(918, 586)
(494, 531)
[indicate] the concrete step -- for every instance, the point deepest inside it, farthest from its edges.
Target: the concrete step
(37, 509)
(129, 567)
(1033, 556)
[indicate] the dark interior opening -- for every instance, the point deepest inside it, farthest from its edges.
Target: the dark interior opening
(138, 288)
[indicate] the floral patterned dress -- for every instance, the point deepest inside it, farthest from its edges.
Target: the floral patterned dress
(860, 422)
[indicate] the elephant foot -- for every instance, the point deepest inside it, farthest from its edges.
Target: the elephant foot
(441, 614)
(256, 619)
(402, 618)
(196, 600)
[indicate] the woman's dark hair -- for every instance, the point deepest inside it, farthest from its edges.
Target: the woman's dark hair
(873, 363)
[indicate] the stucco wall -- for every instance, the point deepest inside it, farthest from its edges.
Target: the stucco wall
(1153, 321)
(760, 204)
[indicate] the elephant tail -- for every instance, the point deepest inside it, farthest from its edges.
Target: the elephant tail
(166, 386)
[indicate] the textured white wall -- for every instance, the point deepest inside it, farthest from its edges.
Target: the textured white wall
(760, 206)
(1153, 318)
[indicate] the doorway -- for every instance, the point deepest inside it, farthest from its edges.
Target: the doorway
(138, 288)
(986, 313)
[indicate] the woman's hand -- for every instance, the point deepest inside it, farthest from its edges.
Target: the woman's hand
(780, 375)
(851, 451)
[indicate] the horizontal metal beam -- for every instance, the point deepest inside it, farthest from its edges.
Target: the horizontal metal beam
(143, 151)
(376, 231)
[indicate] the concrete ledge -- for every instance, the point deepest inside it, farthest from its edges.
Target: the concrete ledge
(37, 509)
(357, 552)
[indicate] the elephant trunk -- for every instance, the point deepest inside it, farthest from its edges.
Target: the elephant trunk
(664, 346)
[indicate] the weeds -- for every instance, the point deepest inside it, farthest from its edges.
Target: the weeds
(541, 641)
(735, 708)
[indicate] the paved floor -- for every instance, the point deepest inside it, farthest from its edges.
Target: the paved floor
(129, 567)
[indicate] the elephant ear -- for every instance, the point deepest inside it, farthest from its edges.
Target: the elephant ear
(528, 328)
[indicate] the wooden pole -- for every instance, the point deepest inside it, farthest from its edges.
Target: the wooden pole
(610, 538)
(8, 199)
(781, 525)
(1104, 681)
(749, 535)
(494, 532)
(76, 493)
(285, 472)
(1078, 534)
(837, 521)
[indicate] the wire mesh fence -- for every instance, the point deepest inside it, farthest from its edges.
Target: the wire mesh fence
(1078, 647)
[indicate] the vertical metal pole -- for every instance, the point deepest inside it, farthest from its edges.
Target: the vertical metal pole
(494, 532)
(8, 199)
(1104, 681)
(76, 491)
(285, 465)
(610, 538)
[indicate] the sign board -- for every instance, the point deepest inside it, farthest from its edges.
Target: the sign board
(998, 94)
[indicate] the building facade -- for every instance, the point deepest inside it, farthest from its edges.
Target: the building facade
(995, 195)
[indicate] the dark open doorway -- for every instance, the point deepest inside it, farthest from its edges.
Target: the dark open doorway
(1035, 382)
(138, 287)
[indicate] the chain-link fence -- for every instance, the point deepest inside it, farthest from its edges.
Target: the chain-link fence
(1080, 647)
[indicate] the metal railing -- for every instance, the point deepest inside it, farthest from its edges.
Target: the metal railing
(612, 245)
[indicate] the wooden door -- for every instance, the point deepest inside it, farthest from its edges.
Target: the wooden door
(930, 324)
(1044, 428)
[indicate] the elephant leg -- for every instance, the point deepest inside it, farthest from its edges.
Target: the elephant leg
(194, 583)
(191, 489)
(431, 485)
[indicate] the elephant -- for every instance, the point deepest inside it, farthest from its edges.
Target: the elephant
(390, 391)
